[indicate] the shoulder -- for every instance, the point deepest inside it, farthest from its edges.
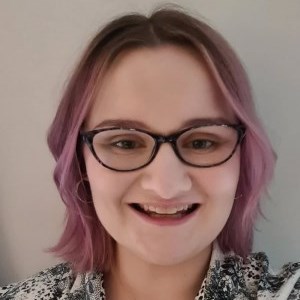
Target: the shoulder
(50, 283)
(266, 282)
(253, 277)
(283, 283)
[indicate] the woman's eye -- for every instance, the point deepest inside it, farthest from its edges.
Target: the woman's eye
(125, 144)
(202, 144)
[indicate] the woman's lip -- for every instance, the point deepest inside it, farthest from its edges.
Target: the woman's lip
(165, 205)
(166, 209)
(164, 220)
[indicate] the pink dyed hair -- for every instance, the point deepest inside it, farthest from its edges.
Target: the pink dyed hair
(84, 243)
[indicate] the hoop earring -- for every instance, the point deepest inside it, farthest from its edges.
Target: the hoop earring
(84, 178)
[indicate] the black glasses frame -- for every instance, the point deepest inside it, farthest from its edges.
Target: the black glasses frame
(88, 136)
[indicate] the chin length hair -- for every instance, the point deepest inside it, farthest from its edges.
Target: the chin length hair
(84, 243)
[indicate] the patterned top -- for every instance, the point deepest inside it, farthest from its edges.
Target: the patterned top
(228, 277)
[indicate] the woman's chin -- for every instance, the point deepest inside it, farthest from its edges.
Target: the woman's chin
(168, 257)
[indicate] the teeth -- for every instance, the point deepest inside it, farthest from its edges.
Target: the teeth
(166, 210)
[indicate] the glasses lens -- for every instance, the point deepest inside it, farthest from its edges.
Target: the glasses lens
(207, 145)
(122, 149)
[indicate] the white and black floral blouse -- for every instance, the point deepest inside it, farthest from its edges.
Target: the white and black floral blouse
(228, 277)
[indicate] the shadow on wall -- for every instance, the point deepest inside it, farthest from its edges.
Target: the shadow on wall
(7, 269)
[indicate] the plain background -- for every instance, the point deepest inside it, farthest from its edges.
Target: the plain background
(40, 41)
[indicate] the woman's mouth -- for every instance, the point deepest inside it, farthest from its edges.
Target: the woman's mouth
(171, 212)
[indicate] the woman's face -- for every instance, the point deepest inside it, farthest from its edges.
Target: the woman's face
(160, 90)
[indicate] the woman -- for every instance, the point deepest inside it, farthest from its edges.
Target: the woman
(161, 162)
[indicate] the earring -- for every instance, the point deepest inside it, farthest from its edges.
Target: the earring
(82, 181)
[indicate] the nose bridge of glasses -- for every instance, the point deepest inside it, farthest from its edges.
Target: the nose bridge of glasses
(171, 139)
(166, 139)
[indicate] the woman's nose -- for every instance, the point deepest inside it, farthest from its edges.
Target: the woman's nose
(166, 175)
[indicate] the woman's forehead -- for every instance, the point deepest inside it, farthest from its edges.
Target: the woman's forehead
(164, 86)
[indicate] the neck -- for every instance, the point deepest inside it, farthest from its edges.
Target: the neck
(133, 278)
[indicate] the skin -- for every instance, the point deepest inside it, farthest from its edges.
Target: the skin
(162, 87)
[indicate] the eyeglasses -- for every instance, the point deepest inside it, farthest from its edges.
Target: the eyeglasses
(130, 149)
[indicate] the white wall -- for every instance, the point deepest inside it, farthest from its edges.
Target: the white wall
(39, 44)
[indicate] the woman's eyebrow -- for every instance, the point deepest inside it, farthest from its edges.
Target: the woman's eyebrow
(205, 121)
(125, 123)
(122, 123)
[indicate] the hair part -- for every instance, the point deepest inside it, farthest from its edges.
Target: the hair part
(84, 243)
